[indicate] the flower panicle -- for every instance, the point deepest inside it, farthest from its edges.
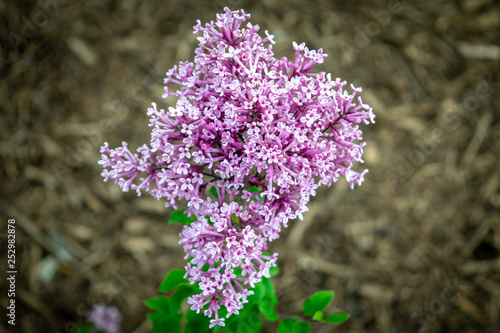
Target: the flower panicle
(264, 133)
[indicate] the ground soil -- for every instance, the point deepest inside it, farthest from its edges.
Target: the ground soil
(415, 249)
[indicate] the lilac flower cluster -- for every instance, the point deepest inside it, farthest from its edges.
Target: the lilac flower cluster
(105, 318)
(262, 133)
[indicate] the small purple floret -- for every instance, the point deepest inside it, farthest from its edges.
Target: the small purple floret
(105, 318)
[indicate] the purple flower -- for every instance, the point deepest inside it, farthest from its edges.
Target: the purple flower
(262, 133)
(105, 318)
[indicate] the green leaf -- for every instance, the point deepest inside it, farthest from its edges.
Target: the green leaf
(286, 325)
(268, 283)
(248, 321)
(233, 320)
(318, 315)
(317, 302)
(301, 327)
(172, 280)
(165, 323)
(273, 271)
(180, 217)
(160, 303)
(213, 192)
(337, 318)
(237, 272)
(258, 293)
(179, 295)
(266, 306)
(253, 323)
(235, 219)
(224, 329)
(196, 322)
(254, 190)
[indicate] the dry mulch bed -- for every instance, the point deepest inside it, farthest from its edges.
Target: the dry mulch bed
(415, 249)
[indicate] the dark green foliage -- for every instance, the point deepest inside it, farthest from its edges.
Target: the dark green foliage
(180, 217)
(172, 280)
(171, 316)
(319, 301)
(337, 318)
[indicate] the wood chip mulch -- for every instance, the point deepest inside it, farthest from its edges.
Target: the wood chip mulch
(415, 249)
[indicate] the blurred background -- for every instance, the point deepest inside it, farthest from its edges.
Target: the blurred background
(414, 249)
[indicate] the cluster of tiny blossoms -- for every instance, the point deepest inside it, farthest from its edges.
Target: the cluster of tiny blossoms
(105, 318)
(262, 133)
